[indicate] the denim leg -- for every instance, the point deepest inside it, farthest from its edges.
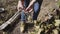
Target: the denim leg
(23, 16)
(36, 9)
(26, 3)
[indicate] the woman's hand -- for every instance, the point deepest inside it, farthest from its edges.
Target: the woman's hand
(25, 11)
(19, 6)
(31, 3)
(29, 10)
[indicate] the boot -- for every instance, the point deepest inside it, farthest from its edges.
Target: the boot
(22, 26)
(35, 22)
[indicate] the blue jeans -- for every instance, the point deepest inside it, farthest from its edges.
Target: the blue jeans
(26, 3)
(23, 15)
(36, 8)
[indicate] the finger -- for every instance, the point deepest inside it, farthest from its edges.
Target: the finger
(30, 10)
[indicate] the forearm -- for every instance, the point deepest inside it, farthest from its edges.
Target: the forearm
(31, 3)
(19, 5)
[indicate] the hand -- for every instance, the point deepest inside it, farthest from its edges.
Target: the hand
(19, 6)
(25, 11)
(30, 10)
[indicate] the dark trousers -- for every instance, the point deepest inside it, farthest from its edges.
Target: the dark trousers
(23, 16)
(36, 9)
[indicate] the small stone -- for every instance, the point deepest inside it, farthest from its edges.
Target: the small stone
(1, 9)
(55, 31)
(57, 22)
